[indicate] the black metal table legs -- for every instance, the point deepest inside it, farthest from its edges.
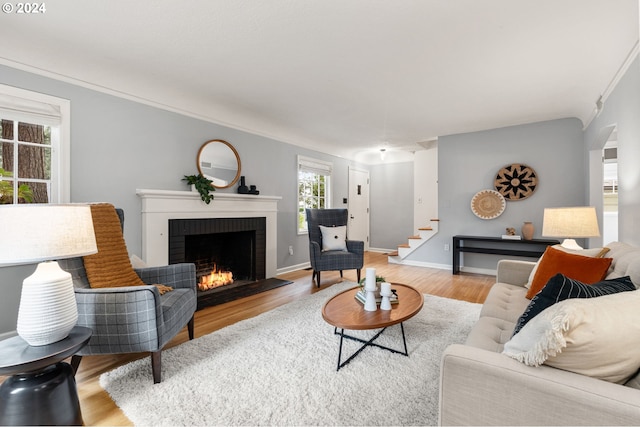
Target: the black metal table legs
(368, 343)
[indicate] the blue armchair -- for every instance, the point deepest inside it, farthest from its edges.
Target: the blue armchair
(331, 260)
(132, 319)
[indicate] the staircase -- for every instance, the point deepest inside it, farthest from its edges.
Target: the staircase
(414, 242)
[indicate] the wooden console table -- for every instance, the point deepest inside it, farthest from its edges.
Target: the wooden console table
(497, 246)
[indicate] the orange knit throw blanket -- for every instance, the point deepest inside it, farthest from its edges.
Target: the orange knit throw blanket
(111, 267)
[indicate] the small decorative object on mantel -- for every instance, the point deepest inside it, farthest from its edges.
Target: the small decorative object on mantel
(243, 189)
(202, 185)
(516, 182)
(488, 204)
(527, 230)
(511, 234)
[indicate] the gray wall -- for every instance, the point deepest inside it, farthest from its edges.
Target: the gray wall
(391, 215)
(468, 163)
(118, 145)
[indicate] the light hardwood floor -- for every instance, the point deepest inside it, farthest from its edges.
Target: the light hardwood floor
(99, 409)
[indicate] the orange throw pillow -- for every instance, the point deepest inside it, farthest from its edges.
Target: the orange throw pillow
(582, 268)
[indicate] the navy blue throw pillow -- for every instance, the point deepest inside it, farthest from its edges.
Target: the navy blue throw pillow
(560, 288)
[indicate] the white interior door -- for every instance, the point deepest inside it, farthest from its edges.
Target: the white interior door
(359, 206)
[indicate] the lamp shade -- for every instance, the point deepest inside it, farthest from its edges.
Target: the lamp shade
(40, 232)
(573, 222)
(32, 233)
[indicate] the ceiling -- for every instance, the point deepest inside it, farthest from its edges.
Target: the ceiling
(346, 77)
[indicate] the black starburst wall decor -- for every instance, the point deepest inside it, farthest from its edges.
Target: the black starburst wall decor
(516, 181)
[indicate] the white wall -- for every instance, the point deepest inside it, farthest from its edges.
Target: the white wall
(425, 187)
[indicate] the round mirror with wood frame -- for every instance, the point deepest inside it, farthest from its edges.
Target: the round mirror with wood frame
(219, 161)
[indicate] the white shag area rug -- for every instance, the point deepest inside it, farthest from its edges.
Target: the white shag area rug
(279, 368)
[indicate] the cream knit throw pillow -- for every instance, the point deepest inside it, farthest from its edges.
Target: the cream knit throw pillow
(597, 337)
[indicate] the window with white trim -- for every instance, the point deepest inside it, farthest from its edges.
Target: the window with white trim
(34, 147)
(314, 187)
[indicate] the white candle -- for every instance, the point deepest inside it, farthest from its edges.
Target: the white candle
(385, 288)
(370, 282)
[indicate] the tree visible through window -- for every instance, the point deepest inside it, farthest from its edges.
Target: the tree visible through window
(34, 147)
(25, 162)
(314, 178)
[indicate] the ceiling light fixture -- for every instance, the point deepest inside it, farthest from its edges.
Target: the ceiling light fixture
(383, 153)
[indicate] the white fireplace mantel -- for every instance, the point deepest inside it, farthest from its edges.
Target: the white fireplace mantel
(159, 206)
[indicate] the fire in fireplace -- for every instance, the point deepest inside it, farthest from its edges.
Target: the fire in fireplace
(216, 278)
(229, 255)
(222, 258)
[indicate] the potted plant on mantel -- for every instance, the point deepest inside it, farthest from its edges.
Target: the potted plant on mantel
(203, 185)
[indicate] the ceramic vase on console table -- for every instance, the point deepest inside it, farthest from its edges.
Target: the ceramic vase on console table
(527, 230)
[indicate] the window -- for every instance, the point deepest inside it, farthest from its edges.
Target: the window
(314, 178)
(34, 147)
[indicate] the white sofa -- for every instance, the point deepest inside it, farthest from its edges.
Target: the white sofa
(481, 386)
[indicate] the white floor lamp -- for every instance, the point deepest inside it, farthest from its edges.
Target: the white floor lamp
(42, 233)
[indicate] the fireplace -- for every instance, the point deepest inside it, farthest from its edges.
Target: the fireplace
(229, 254)
(161, 207)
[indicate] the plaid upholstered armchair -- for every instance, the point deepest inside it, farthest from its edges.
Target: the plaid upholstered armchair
(333, 251)
(132, 319)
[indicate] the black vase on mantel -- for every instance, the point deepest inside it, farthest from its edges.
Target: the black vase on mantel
(243, 189)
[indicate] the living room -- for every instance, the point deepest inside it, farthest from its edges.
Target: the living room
(120, 144)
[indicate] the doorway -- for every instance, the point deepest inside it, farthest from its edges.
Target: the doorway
(603, 184)
(359, 206)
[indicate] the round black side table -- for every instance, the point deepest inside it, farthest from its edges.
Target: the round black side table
(42, 389)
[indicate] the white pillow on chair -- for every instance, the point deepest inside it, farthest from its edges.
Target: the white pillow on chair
(334, 238)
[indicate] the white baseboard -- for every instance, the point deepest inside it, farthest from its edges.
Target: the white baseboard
(474, 270)
(464, 269)
(421, 264)
(6, 335)
(381, 250)
(292, 268)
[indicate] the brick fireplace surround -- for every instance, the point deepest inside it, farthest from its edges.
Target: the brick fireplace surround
(159, 206)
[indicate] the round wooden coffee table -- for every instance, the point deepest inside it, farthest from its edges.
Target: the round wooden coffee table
(343, 311)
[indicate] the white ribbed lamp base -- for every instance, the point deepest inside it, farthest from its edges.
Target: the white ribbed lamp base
(571, 244)
(48, 308)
